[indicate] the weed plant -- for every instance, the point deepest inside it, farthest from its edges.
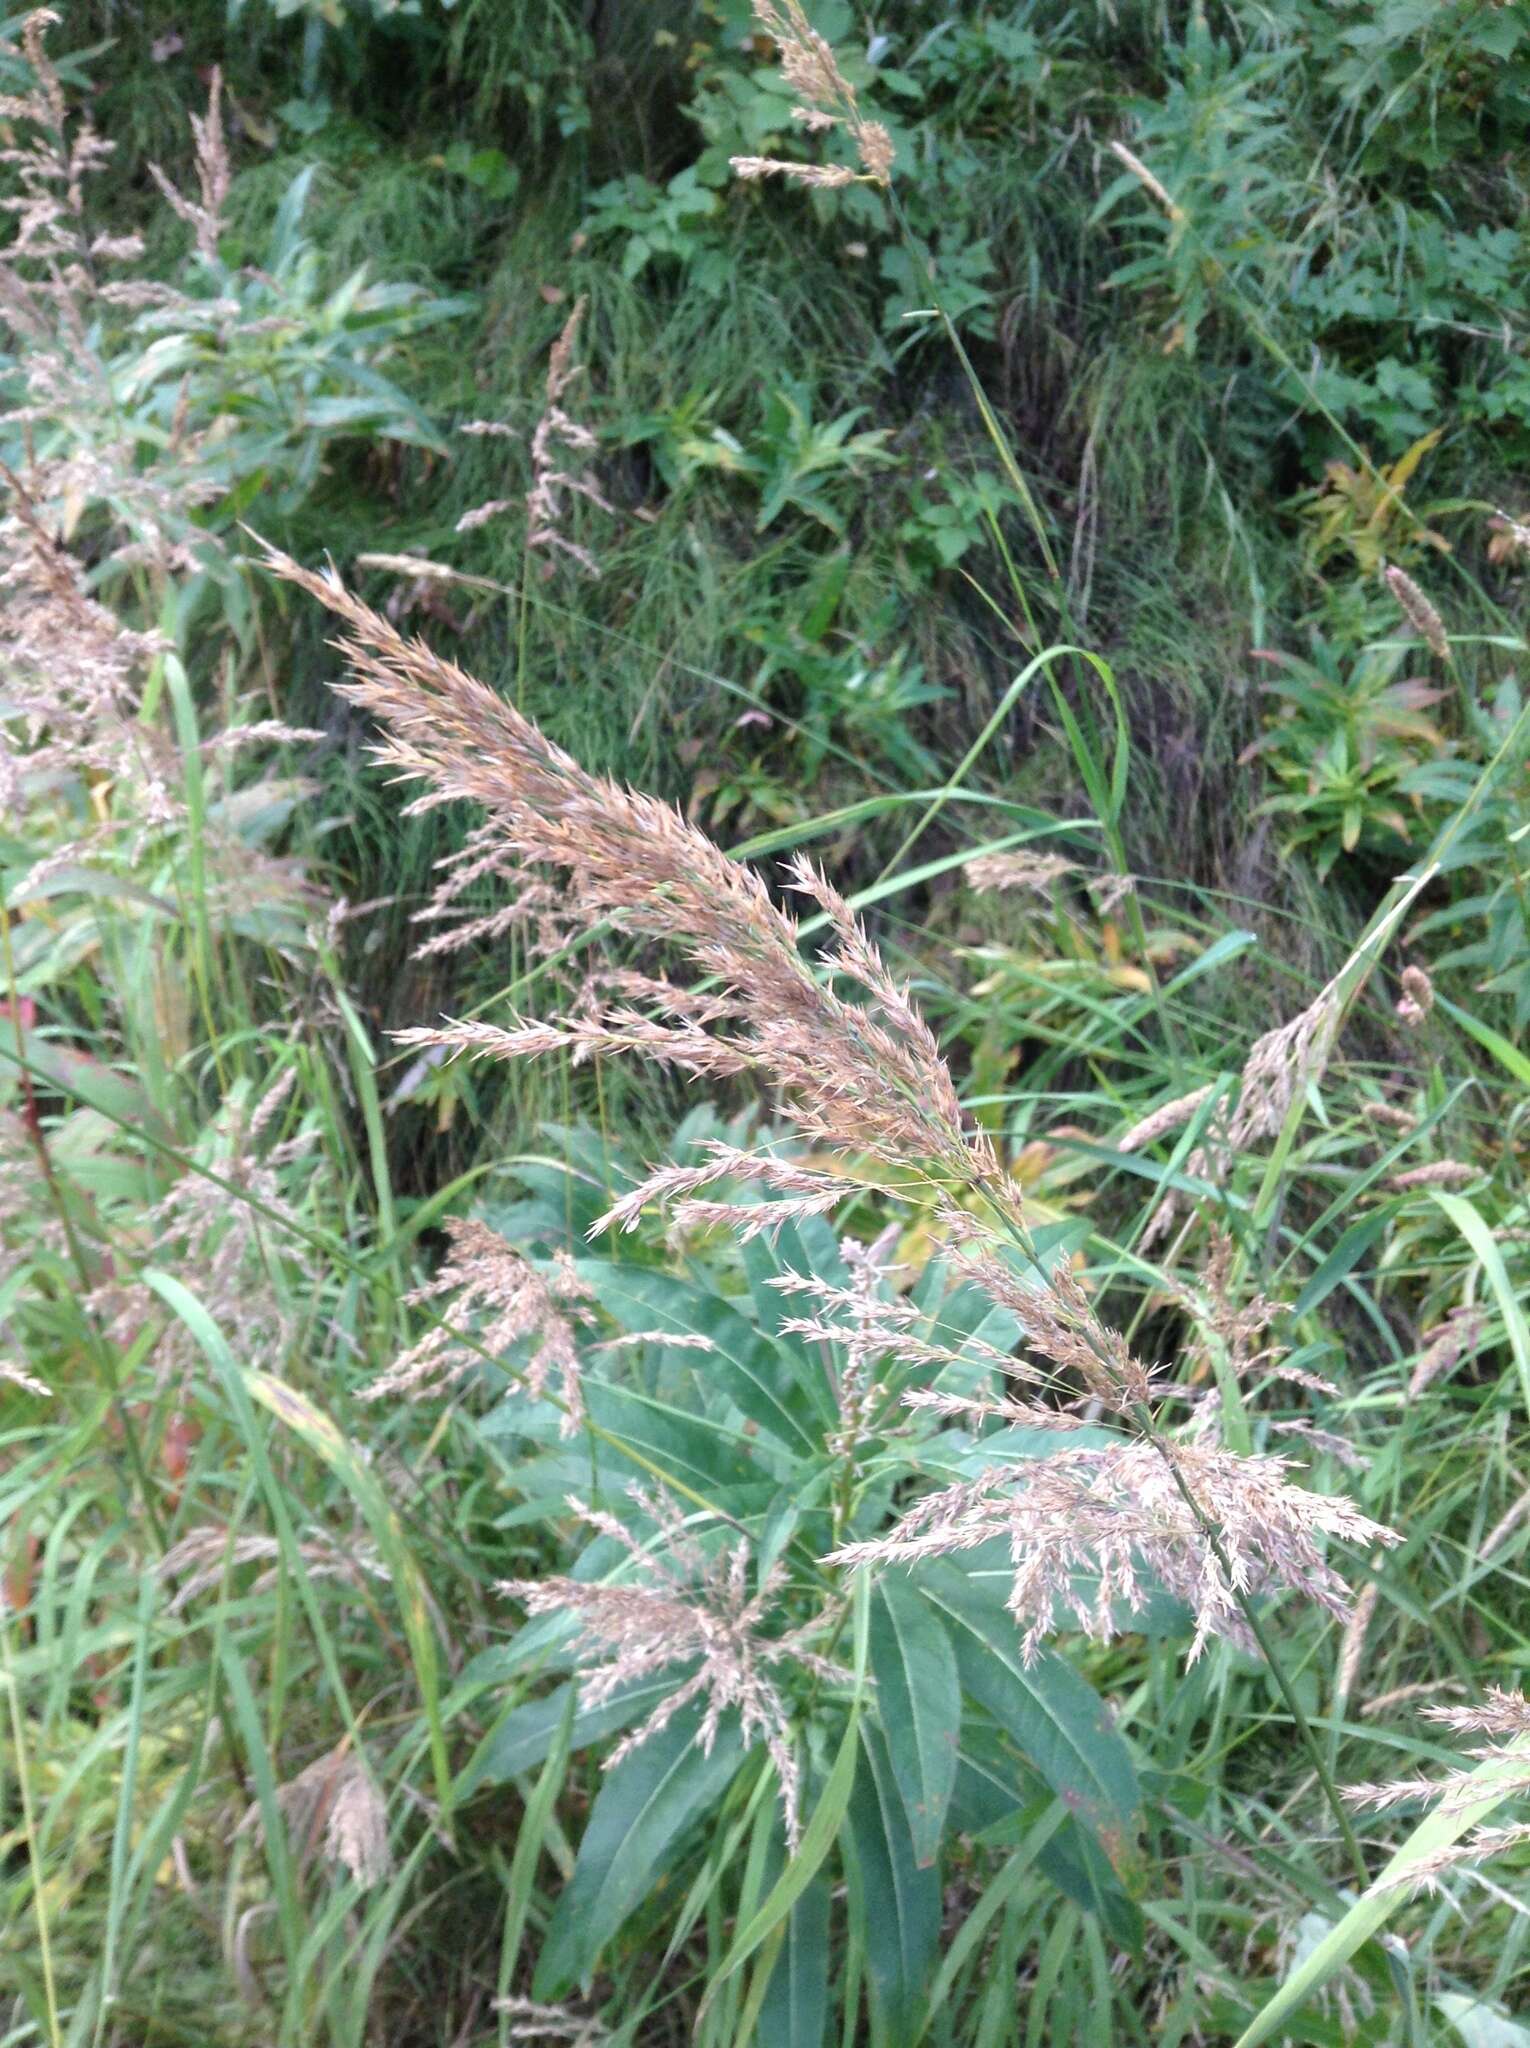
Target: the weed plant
(969, 1504)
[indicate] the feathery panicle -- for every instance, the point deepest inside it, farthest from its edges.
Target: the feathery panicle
(196, 1227)
(507, 1299)
(801, 1193)
(686, 1603)
(1504, 1717)
(862, 1079)
(1019, 869)
(1279, 1065)
(1091, 1530)
(860, 1075)
(335, 1805)
(204, 215)
(203, 1558)
(810, 67)
(553, 479)
(1352, 1645)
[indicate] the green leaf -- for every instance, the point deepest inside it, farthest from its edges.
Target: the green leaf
(896, 1904)
(796, 2004)
(525, 1735)
(1508, 1056)
(802, 1867)
(920, 1703)
(1056, 1719)
(1477, 1234)
(635, 1831)
(1342, 1260)
(742, 1362)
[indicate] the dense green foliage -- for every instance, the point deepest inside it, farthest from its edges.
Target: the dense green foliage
(1136, 488)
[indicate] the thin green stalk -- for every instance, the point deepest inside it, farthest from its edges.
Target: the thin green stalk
(29, 1829)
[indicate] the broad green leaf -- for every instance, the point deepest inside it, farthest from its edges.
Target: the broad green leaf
(1054, 1717)
(1342, 1260)
(802, 1866)
(1509, 1057)
(896, 1904)
(525, 1735)
(1001, 1800)
(747, 1366)
(919, 1700)
(796, 2005)
(636, 1829)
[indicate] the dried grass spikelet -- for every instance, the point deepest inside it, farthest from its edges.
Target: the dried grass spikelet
(686, 1604)
(1148, 181)
(507, 1299)
(1511, 537)
(530, 2021)
(852, 1063)
(204, 215)
(1169, 1116)
(62, 286)
(1091, 1529)
(1352, 1644)
(195, 1226)
(554, 478)
(1279, 1065)
(1019, 869)
(334, 1807)
(16, 1375)
(1504, 1717)
(1390, 1115)
(1419, 612)
(828, 100)
(1438, 1173)
(1445, 1346)
(1417, 998)
(202, 1559)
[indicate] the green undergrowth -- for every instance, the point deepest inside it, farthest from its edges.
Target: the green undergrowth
(1153, 524)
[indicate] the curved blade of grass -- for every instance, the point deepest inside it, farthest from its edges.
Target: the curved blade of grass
(324, 1439)
(1477, 1234)
(1371, 1912)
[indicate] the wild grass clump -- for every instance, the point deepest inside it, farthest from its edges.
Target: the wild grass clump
(944, 1465)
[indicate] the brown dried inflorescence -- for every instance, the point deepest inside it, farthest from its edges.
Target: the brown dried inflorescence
(1279, 1066)
(553, 479)
(504, 1299)
(1419, 612)
(828, 101)
(62, 282)
(690, 1604)
(334, 1806)
(1092, 1530)
(865, 1086)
